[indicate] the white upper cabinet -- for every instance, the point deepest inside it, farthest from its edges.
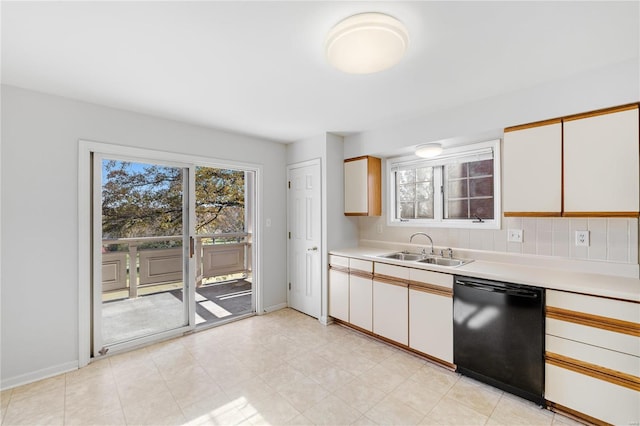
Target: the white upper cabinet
(601, 161)
(363, 186)
(585, 165)
(532, 169)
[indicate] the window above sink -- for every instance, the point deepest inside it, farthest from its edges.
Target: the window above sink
(458, 189)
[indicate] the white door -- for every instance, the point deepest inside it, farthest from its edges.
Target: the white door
(305, 241)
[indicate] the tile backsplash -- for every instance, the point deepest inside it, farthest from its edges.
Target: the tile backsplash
(611, 239)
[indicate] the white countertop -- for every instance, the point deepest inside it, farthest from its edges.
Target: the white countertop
(579, 282)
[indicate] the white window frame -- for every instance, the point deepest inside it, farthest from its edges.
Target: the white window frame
(438, 203)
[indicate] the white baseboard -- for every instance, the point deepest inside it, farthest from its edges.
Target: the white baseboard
(273, 308)
(34, 376)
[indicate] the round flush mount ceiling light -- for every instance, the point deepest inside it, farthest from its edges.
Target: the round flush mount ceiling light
(366, 43)
(429, 150)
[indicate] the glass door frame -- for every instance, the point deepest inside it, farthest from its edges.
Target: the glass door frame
(188, 264)
(86, 149)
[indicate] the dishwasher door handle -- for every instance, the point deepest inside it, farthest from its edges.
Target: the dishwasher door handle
(517, 292)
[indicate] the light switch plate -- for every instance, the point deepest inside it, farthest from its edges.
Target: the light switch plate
(582, 238)
(514, 235)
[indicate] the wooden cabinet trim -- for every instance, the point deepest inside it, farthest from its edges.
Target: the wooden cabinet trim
(601, 214)
(386, 279)
(575, 414)
(361, 274)
(362, 157)
(374, 184)
(597, 372)
(430, 288)
(532, 214)
(600, 112)
(535, 124)
(597, 321)
(339, 268)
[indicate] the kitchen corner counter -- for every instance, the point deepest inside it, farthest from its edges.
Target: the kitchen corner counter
(578, 282)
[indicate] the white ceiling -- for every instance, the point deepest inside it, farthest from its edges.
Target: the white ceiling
(258, 67)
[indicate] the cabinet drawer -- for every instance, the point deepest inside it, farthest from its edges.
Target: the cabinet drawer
(612, 360)
(419, 276)
(361, 265)
(338, 261)
(588, 395)
(600, 306)
(594, 336)
(392, 271)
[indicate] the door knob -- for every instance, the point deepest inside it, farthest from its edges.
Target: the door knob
(312, 249)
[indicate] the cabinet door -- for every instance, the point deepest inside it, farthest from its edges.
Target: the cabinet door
(361, 302)
(601, 164)
(390, 311)
(363, 186)
(532, 170)
(600, 399)
(431, 323)
(339, 295)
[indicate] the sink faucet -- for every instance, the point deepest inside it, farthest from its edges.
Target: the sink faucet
(422, 233)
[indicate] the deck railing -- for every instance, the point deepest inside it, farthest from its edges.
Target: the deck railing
(139, 265)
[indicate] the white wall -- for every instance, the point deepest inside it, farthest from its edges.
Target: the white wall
(338, 231)
(486, 119)
(39, 284)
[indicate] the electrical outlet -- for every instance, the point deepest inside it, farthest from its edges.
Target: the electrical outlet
(379, 228)
(582, 238)
(514, 235)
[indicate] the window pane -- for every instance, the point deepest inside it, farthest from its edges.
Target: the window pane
(407, 210)
(456, 170)
(457, 189)
(481, 168)
(458, 209)
(462, 191)
(406, 176)
(414, 193)
(424, 191)
(424, 174)
(481, 187)
(482, 208)
(406, 192)
(425, 210)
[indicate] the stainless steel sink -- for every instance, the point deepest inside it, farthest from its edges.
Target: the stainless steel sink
(425, 258)
(445, 261)
(403, 256)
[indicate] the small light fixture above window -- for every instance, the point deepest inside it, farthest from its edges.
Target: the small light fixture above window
(366, 43)
(429, 150)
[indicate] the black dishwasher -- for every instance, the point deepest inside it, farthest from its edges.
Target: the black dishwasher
(498, 335)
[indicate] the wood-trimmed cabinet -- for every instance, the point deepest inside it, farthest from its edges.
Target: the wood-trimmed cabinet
(431, 314)
(339, 287)
(592, 359)
(363, 186)
(532, 169)
(361, 293)
(391, 302)
(585, 165)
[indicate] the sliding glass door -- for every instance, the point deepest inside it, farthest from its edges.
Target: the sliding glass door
(142, 251)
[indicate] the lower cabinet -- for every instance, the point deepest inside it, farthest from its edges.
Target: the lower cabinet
(592, 360)
(431, 314)
(339, 287)
(361, 301)
(391, 302)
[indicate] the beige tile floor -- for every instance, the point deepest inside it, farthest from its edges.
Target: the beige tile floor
(281, 369)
